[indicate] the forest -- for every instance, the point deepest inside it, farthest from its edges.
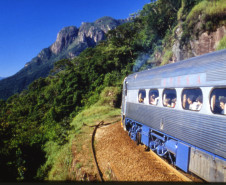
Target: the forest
(41, 115)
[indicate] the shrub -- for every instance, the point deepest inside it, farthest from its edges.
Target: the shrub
(167, 56)
(222, 44)
(210, 15)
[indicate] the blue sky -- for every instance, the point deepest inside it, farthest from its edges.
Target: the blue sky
(28, 26)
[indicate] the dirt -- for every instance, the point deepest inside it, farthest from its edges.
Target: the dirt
(120, 159)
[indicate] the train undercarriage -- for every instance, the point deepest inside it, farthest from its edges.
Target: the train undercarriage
(182, 155)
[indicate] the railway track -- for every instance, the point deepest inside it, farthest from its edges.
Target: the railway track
(119, 160)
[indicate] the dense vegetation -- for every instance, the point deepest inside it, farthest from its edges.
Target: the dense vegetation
(39, 119)
(70, 42)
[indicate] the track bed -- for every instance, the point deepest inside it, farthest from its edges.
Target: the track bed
(120, 159)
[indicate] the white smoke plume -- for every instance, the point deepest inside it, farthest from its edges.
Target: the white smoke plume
(141, 60)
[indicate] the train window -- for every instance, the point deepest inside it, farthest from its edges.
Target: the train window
(169, 98)
(141, 95)
(192, 99)
(153, 96)
(218, 101)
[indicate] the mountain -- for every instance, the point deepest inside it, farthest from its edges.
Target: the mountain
(38, 128)
(1, 78)
(70, 42)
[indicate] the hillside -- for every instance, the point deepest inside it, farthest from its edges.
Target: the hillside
(39, 125)
(70, 42)
(196, 30)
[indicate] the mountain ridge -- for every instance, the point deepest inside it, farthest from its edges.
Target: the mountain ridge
(41, 127)
(70, 42)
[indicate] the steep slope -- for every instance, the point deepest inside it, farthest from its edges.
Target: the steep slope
(70, 42)
(197, 33)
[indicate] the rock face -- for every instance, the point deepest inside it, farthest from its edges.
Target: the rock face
(64, 38)
(70, 42)
(207, 42)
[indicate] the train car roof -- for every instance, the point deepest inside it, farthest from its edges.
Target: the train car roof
(204, 70)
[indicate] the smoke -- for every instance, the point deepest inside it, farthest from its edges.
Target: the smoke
(142, 60)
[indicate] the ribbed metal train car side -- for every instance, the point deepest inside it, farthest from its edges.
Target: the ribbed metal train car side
(203, 131)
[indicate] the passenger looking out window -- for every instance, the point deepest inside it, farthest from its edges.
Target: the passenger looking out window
(199, 103)
(166, 102)
(153, 97)
(192, 99)
(169, 98)
(218, 101)
(222, 105)
(191, 103)
(141, 96)
(173, 102)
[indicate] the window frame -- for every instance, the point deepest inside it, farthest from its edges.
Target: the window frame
(163, 99)
(182, 98)
(210, 99)
(157, 102)
(142, 94)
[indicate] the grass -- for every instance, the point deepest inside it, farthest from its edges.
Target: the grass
(166, 58)
(205, 16)
(222, 44)
(73, 161)
(180, 11)
(108, 173)
(206, 10)
(62, 165)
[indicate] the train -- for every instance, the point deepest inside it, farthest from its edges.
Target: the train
(179, 111)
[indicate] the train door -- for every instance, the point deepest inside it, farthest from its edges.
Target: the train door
(124, 100)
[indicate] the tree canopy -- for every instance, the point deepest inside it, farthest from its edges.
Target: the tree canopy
(44, 111)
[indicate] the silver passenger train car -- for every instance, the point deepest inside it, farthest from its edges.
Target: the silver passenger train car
(179, 111)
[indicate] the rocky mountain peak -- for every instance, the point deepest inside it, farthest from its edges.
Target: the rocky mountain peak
(89, 31)
(95, 32)
(64, 38)
(70, 42)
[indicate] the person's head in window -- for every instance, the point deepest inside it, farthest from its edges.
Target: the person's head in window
(199, 102)
(191, 103)
(152, 98)
(199, 99)
(190, 99)
(167, 102)
(173, 102)
(222, 105)
(140, 98)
